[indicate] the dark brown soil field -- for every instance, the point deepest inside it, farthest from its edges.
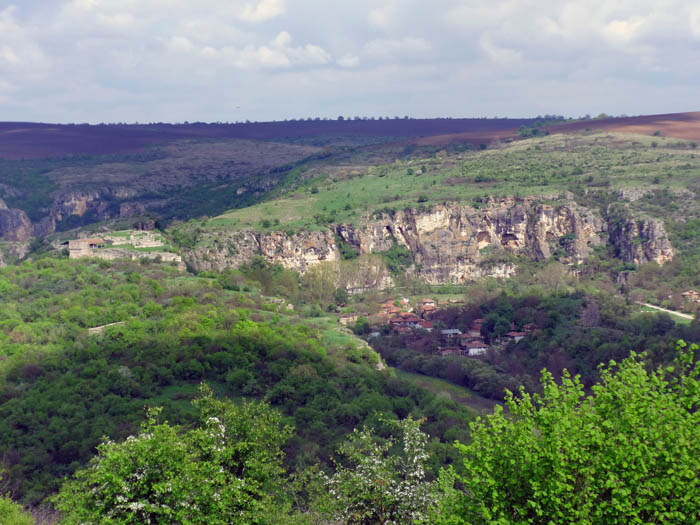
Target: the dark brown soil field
(31, 140)
(679, 125)
(20, 140)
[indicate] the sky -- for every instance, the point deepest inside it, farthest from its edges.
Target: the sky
(234, 60)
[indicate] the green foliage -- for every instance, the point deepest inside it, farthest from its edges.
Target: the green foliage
(398, 258)
(626, 453)
(361, 326)
(12, 513)
(347, 251)
(227, 470)
(62, 390)
(380, 480)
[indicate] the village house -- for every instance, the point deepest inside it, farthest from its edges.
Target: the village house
(428, 302)
(408, 321)
(78, 248)
(427, 310)
(516, 336)
(426, 325)
(475, 348)
(691, 295)
(449, 350)
(450, 333)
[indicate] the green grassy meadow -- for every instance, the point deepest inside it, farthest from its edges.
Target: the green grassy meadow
(542, 166)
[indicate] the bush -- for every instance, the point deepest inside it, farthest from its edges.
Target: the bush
(230, 465)
(626, 453)
(12, 514)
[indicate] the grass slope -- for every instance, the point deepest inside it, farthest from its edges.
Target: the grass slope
(543, 166)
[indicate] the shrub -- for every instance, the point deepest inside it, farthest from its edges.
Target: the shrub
(626, 453)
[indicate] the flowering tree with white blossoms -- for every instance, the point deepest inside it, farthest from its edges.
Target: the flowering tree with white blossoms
(226, 471)
(382, 482)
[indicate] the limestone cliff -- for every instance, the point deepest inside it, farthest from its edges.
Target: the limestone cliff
(92, 205)
(449, 243)
(639, 241)
(232, 249)
(14, 224)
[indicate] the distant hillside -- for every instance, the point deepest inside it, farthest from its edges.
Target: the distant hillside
(21, 140)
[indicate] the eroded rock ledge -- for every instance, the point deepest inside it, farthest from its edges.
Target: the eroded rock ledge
(449, 243)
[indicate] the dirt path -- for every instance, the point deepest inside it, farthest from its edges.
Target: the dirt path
(672, 312)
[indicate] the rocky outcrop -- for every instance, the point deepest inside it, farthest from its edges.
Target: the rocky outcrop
(14, 224)
(639, 241)
(11, 252)
(296, 251)
(93, 205)
(449, 243)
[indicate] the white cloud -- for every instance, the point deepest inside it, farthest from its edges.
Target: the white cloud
(278, 53)
(389, 48)
(381, 17)
(170, 58)
(349, 61)
(117, 21)
(19, 53)
(180, 44)
(263, 10)
(499, 55)
(695, 22)
(623, 31)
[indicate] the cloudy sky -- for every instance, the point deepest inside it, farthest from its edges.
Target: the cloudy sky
(229, 60)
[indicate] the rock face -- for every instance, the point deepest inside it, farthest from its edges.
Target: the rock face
(640, 241)
(296, 252)
(98, 205)
(14, 224)
(449, 243)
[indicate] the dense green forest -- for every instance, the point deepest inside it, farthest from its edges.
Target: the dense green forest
(143, 381)
(62, 389)
(625, 453)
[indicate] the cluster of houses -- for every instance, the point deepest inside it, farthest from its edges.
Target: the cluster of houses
(471, 344)
(402, 319)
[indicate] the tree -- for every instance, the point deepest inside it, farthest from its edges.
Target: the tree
(228, 470)
(382, 481)
(626, 453)
(554, 277)
(12, 513)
